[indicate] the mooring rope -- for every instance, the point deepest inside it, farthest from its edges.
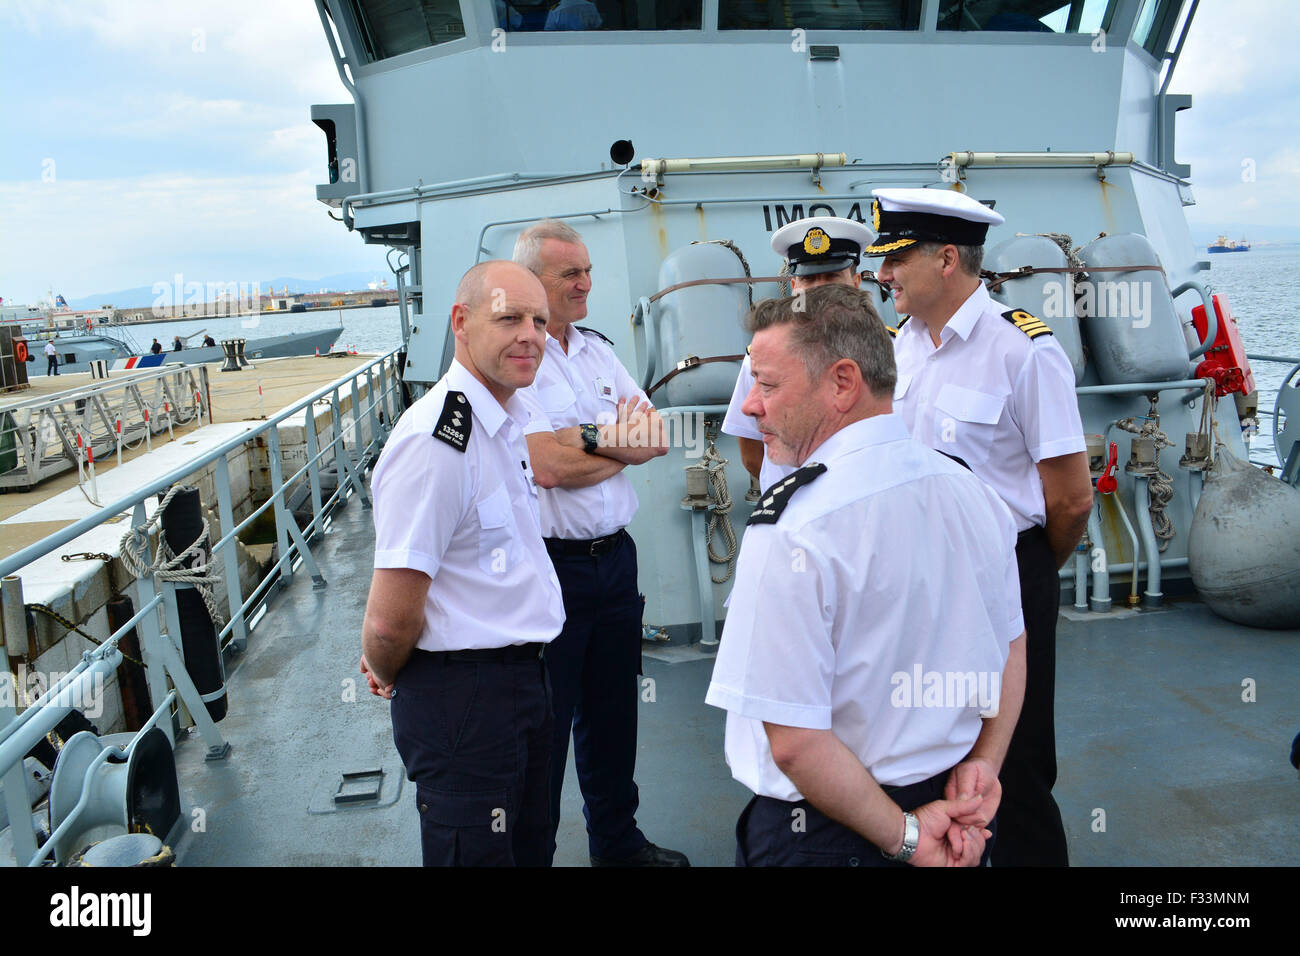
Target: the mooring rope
(166, 566)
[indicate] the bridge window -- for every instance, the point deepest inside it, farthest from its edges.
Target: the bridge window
(1025, 16)
(521, 16)
(819, 14)
(1156, 24)
(393, 27)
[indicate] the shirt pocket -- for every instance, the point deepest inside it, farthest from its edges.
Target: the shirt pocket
(499, 548)
(557, 399)
(606, 401)
(901, 386)
(966, 422)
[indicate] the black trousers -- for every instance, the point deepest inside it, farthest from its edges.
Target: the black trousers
(52, 366)
(475, 737)
(1030, 831)
(774, 832)
(594, 666)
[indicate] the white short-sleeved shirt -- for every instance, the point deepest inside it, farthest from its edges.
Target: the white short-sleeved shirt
(992, 396)
(583, 385)
(742, 426)
(51, 349)
(893, 566)
(468, 519)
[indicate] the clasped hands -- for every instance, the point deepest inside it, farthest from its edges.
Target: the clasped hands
(953, 830)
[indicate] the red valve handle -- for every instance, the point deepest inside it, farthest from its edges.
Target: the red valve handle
(1107, 483)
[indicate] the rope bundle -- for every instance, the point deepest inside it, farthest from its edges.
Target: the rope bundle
(165, 566)
(720, 515)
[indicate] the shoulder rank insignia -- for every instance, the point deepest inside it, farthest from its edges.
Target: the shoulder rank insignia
(455, 422)
(893, 329)
(605, 338)
(746, 349)
(1031, 325)
(774, 500)
(960, 461)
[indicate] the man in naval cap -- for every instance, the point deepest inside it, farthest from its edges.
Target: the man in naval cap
(823, 250)
(994, 389)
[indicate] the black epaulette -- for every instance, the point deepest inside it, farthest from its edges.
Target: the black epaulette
(893, 329)
(600, 335)
(746, 349)
(455, 422)
(774, 500)
(1031, 325)
(960, 461)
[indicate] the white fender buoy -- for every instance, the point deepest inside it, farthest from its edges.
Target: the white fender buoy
(1243, 549)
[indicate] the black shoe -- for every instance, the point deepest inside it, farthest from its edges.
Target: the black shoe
(648, 855)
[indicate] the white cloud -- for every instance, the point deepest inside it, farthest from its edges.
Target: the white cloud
(137, 231)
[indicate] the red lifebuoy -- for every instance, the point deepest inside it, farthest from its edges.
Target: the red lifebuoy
(20, 351)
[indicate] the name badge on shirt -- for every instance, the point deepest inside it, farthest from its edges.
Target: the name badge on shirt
(605, 389)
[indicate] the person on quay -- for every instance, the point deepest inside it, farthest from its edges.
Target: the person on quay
(875, 571)
(589, 422)
(464, 598)
(993, 387)
(51, 359)
(823, 250)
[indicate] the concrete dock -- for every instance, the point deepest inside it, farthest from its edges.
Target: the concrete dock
(24, 516)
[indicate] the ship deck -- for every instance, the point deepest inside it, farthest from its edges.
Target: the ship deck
(1162, 762)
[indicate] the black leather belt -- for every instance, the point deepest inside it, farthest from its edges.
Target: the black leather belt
(510, 654)
(589, 548)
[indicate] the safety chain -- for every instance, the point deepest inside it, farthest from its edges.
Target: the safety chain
(166, 566)
(51, 613)
(720, 513)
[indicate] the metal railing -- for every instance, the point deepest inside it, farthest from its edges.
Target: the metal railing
(52, 434)
(344, 450)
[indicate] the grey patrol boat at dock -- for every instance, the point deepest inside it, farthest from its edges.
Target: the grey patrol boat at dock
(676, 137)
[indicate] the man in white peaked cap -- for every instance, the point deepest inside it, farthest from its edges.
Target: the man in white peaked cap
(994, 389)
(823, 250)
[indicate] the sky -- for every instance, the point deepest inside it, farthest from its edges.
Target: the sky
(144, 138)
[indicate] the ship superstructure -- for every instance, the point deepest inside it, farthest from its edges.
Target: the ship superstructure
(677, 137)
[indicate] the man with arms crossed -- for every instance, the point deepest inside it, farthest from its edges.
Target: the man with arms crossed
(878, 559)
(590, 421)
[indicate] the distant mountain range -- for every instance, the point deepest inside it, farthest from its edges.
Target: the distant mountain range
(144, 295)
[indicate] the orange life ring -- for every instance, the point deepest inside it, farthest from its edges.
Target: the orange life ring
(20, 351)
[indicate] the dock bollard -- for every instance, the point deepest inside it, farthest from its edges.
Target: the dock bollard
(239, 352)
(231, 357)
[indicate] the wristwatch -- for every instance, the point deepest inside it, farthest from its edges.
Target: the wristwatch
(911, 838)
(590, 437)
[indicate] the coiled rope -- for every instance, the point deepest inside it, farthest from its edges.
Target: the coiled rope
(720, 514)
(1160, 483)
(166, 566)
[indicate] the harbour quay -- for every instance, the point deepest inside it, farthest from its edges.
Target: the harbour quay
(247, 453)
